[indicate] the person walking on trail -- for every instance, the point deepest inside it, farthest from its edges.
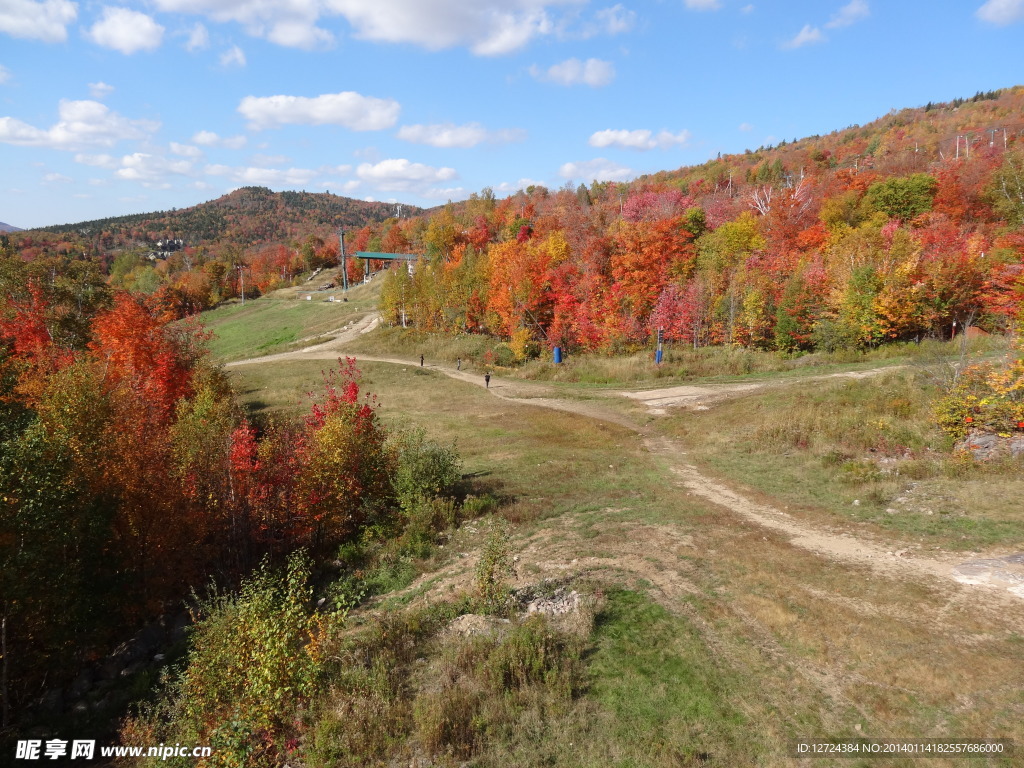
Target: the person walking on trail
(487, 379)
(458, 364)
(421, 361)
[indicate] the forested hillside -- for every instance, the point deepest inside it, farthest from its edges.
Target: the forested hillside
(193, 258)
(908, 227)
(247, 216)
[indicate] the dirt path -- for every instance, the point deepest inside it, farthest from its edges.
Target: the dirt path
(701, 398)
(1002, 577)
(513, 390)
(1003, 574)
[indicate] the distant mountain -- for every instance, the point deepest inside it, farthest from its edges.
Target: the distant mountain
(9, 228)
(247, 217)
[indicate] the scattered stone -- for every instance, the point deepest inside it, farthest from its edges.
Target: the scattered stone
(987, 445)
(474, 625)
(563, 601)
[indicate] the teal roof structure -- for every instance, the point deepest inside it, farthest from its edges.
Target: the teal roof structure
(386, 256)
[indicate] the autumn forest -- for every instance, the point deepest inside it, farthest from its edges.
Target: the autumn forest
(130, 475)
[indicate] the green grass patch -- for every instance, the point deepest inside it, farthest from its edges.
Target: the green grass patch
(283, 320)
(664, 698)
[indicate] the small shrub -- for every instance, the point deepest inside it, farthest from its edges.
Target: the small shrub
(488, 687)
(534, 654)
(834, 457)
(504, 356)
(448, 721)
(988, 397)
(860, 471)
(523, 345)
(423, 522)
(494, 569)
(478, 506)
(256, 658)
(425, 469)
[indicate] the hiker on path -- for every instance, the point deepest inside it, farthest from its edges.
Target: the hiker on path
(458, 364)
(487, 379)
(421, 361)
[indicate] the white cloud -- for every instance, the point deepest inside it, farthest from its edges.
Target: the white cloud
(746, 127)
(446, 193)
(400, 175)
(211, 139)
(100, 90)
(152, 170)
(598, 169)
(642, 139)
(273, 177)
(5, 74)
(126, 31)
(747, 9)
(849, 14)
(348, 109)
(206, 138)
(82, 124)
(53, 178)
(615, 20)
(806, 36)
(285, 22)
(198, 38)
(1001, 12)
(510, 189)
(47, 20)
(300, 34)
(97, 161)
(186, 150)
(449, 135)
(233, 57)
(486, 27)
(269, 177)
(592, 72)
(703, 5)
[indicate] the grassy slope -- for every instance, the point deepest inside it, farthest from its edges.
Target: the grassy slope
(768, 644)
(284, 319)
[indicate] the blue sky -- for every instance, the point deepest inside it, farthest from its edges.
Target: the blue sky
(142, 105)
